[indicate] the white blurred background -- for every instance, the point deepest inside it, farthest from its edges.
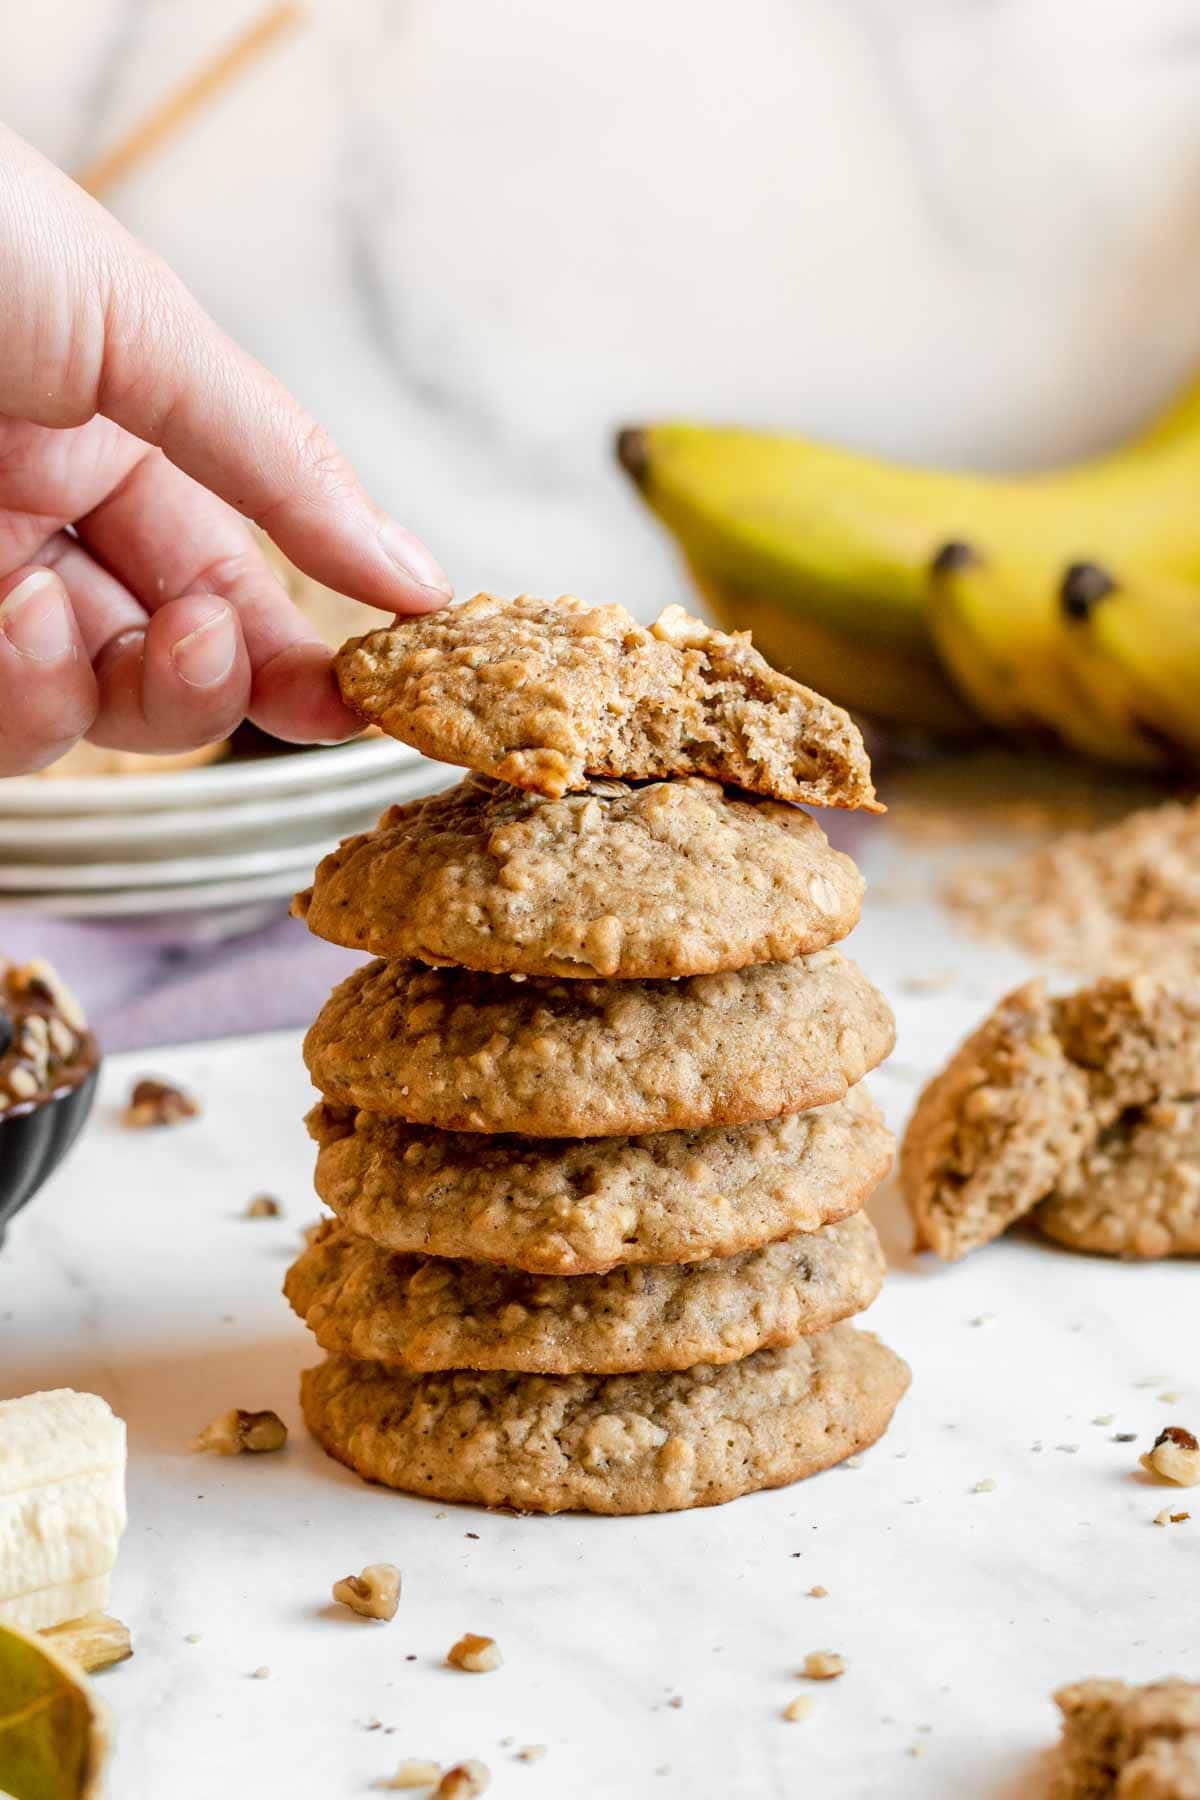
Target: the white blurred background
(474, 238)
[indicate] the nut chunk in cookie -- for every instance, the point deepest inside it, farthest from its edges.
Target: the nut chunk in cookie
(670, 878)
(545, 693)
(1139, 1742)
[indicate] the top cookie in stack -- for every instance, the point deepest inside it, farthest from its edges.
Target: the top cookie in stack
(590, 1059)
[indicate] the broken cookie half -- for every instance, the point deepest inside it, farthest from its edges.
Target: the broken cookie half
(1119, 1740)
(1074, 1109)
(545, 693)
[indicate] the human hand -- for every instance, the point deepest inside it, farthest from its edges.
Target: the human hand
(135, 607)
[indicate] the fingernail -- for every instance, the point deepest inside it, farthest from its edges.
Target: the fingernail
(36, 618)
(205, 656)
(413, 559)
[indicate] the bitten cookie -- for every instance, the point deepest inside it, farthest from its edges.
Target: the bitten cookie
(609, 1444)
(544, 693)
(470, 1052)
(424, 1313)
(1128, 1743)
(559, 1208)
(1030, 1094)
(676, 878)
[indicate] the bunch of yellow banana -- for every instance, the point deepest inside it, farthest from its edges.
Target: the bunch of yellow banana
(1067, 601)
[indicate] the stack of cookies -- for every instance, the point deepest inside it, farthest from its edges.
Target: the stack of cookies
(590, 1127)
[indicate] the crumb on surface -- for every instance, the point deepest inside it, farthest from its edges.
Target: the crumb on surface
(531, 1753)
(818, 1592)
(263, 1206)
(238, 1431)
(464, 1781)
(477, 1655)
(414, 1772)
(1175, 1456)
(375, 1594)
(154, 1102)
(823, 1665)
(986, 1486)
(799, 1708)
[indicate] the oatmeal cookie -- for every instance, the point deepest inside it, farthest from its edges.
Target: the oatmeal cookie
(1129, 1743)
(554, 1207)
(543, 693)
(1010, 1119)
(676, 878)
(609, 1444)
(425, 1313)
(470, 1052)
(1136, 1192)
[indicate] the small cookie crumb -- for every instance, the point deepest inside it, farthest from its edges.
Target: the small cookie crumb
(262, 1673)
(192, 1637)
(1167, 1517)
(1104, 1418)
(986, 1486)
(799, 1708)
(1171, 1398)
(823, 1665)
(238, 1430)
(478, 1655)
(414, 1772)
(817, 1593)
(375, 1594)
(531, 1753)
(153, 1102)
(1175, 1456)
(263, 1206)
(463, 1781)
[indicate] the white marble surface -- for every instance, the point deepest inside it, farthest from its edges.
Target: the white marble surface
(135, 1276)
(476, 237)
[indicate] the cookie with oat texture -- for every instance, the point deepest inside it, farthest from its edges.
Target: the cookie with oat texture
(544, 693)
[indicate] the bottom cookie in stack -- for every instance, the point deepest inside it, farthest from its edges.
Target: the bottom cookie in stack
(578, 1373)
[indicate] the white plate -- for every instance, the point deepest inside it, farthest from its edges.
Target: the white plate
(151, 902)
(295, 772)
(287, 818)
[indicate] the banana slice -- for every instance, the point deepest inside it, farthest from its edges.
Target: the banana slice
(62, 1506)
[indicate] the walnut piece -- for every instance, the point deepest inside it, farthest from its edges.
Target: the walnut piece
(154, 1102)
(238, 1430)
(1175, 1456)
(477, 1655)
(263, 1206)
(375, 1594)
(824, 1665)
(463, 1781)
(94, 1641)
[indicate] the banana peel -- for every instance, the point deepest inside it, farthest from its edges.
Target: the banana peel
(54, 1734)
(925, 596)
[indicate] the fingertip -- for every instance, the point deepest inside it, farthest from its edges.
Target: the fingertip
(195, 675)
(429, 585)
(48, 693)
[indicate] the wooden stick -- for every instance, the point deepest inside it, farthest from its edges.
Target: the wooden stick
(192, 95)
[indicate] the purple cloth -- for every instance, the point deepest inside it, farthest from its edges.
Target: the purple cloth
(158, 984)
(140, 989)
